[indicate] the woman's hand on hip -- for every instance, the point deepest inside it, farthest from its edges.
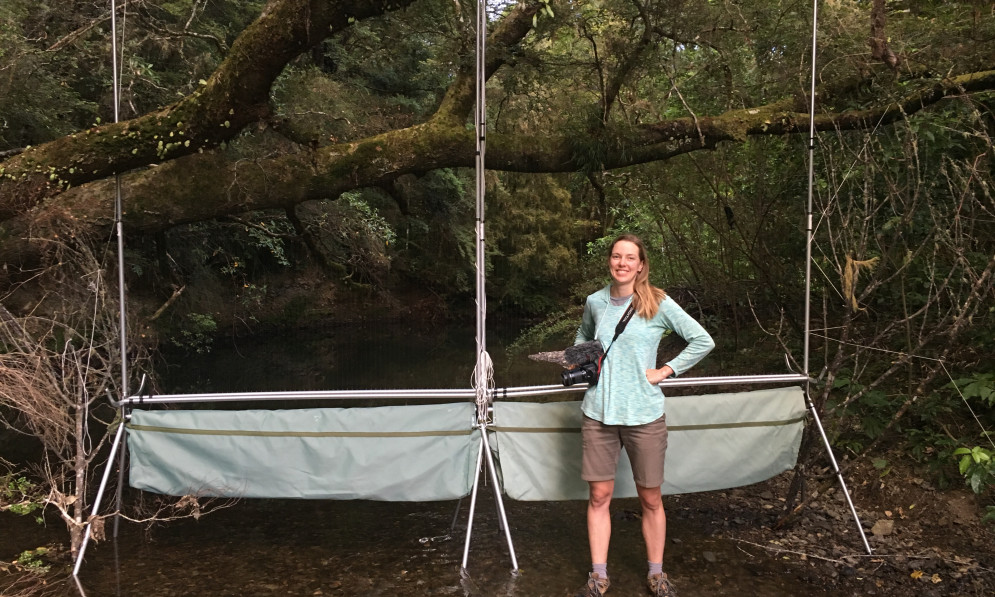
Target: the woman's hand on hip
(655, 376)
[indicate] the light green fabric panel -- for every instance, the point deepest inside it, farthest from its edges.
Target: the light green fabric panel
(716, 441)
(394, 453)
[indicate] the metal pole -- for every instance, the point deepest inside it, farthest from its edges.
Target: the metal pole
(115, 82)
(480, 117)
(483, 369)
(473, 506)
(439, 393)
(119, 226)
(118, 213)
(123, 413)
(839, 474)
(811, 179)
(809, 233)
(100, 495)
(503, 522)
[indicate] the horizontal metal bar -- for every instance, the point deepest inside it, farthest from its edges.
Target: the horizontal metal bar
(438, 393)
(299, 395)
(734, 380)
(670, 383)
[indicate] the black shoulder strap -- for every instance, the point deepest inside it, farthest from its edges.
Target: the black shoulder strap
(624, 321)
(620, 327)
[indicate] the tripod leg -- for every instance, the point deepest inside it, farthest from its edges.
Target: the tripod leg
(120, 479)
(100, 494)
(473, 506)
(836, 469)
(500, 502)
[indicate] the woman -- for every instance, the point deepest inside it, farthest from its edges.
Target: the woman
(626, 407)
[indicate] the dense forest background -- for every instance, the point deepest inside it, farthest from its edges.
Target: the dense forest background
(286, 161)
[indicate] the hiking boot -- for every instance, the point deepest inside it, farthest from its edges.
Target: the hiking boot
(660, 586)
(595, 587)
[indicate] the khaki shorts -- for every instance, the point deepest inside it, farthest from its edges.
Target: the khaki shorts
(646, 446)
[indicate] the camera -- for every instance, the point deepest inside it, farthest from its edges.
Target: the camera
(586, 373)
(585, 361)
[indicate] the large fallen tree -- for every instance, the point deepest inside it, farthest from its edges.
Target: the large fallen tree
(172, 174)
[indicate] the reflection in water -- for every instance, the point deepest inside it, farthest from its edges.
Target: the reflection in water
(79, 585)
(270, 548)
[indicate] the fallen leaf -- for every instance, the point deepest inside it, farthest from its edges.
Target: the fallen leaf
(936, 578)
(916, 574)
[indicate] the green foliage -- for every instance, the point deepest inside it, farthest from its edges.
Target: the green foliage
(375, 226)
(929, 444)
(926, 430)
(980, 386)
(395, 59)
(252, 295)
(228, 257)
(559, 327)
(35, 103)
(377, 75)
(33, 560)
(531, 235)
(865, 419)
(267, 238)
(353, 235)
(196, 333)
(977, 465)
(435, 243)
(882, 466)
(56, 64)
(20, 496)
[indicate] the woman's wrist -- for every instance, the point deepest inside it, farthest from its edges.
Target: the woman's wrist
(655, 376)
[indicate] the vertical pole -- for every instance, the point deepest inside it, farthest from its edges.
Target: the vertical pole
(809, 234)
(118, 215)
(808, 208)
(119, 227)
(484, 368)
(480, 124)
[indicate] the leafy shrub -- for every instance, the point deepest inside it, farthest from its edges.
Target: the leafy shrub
(197, 333)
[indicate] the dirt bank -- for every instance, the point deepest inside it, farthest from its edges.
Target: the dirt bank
(924, 541)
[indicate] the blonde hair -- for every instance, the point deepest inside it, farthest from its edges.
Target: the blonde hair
(646, 297)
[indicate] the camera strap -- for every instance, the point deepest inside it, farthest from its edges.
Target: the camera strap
(619, 328)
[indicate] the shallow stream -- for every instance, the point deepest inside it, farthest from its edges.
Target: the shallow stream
(295, 547)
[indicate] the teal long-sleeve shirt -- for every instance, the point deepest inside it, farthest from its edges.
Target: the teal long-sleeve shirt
(623, 395)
